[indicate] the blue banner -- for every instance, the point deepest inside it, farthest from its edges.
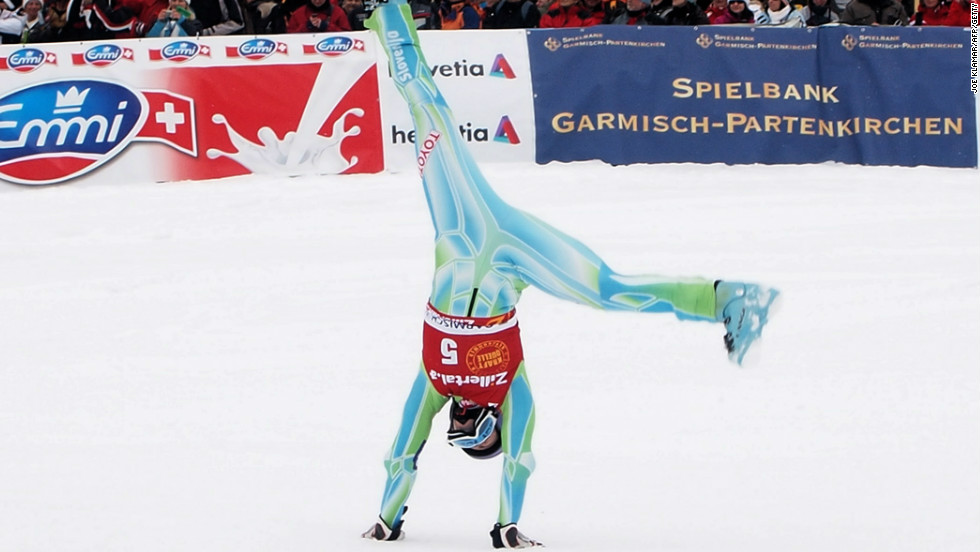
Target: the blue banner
(738, 95)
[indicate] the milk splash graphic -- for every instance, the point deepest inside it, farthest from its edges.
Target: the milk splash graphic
(320, 155)
(301, 151)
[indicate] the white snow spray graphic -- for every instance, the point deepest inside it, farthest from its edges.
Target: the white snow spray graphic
(301, 151)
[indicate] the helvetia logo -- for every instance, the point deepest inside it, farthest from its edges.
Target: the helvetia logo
(102, 55)
(334, 46)
(256, 49)
(54, 131)
(501, 68)
(506, 132)
(26, 60)
(462, 68)
(180, 51)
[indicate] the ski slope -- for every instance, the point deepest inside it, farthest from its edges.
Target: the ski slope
(220, 366)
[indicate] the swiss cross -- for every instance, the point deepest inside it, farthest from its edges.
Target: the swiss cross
(170, 118)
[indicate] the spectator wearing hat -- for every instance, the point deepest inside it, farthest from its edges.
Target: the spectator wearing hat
(632, 12)
(318, 16)
(874, 13)
(820, 12)
(53, 18)
(511, 14)
(780, 13)
(737, 12)
(177, 19)
(458, 14)
(31, 13)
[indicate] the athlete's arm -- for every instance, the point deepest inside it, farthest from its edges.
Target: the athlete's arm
(402, 461)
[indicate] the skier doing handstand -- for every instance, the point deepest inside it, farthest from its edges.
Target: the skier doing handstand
(486, 254)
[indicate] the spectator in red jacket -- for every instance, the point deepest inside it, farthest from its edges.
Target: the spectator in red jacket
(948, 13)
(563, 13)
(715, 9)
(959, 13)
(318, 16)
(931, 12)
(99, 20)
(146, 10)
(594, 12)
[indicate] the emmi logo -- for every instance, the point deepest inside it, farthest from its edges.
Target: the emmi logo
(505, 133)
(53, 131)
(59, 129)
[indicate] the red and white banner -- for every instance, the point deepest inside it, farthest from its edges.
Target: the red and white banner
(166, 109)
(199, 108)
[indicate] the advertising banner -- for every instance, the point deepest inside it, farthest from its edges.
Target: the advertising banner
(191, 109)
(753, 95)
(177, 109)
(485, 77)
(908, 95)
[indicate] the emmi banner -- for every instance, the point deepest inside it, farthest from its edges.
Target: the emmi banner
(873, 96)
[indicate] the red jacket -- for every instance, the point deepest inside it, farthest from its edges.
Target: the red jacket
(948, 14)
(331, 19)
(596, 16)
(959, 15)
(148, 10)
(557, 17)
(931, 16)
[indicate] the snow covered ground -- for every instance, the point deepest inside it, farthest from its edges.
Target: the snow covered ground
(220, 366)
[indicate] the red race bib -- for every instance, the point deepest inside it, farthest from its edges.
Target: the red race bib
(472, 358)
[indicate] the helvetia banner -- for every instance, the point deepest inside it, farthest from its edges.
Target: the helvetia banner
(893, 96)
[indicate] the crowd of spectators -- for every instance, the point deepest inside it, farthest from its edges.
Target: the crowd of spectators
(25, 21)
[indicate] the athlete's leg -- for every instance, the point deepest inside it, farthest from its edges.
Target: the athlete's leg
(474, 227)
(516, 430)
(401, 463)
(548, 258)
(452, 179)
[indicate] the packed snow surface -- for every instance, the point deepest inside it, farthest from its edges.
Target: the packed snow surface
(220, 366)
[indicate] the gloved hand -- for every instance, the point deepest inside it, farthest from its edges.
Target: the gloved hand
(381, 532)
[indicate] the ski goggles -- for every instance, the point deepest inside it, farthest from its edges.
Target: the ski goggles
(482, 430)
